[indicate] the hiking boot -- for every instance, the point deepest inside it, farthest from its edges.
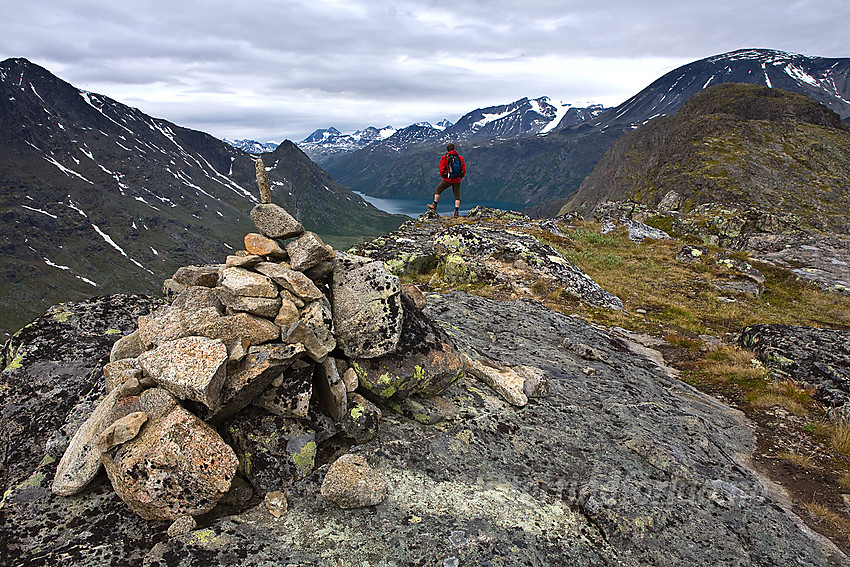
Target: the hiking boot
(456, 214)
(432, 207)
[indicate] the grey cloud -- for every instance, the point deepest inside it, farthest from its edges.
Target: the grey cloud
(284, 68)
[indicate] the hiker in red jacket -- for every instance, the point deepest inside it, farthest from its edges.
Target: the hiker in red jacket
(452, 170)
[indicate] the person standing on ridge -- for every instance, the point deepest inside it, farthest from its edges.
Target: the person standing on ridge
(452, 170)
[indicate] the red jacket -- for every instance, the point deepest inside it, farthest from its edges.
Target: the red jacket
(444, 167)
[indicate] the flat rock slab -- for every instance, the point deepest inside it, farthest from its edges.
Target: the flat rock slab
(290, 280)
(192, 368)
(245, 282)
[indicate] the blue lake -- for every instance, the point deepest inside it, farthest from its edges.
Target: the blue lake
(415, 207)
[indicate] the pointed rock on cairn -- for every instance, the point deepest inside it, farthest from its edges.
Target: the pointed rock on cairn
(243, 348)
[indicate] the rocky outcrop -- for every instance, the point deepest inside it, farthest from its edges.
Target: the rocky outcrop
(622, 465)
(820, 357)
(564, 444)
(468, 253)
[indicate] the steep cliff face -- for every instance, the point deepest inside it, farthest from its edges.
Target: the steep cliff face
(735, 144)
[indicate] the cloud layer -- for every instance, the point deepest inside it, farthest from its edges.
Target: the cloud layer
(283, 68)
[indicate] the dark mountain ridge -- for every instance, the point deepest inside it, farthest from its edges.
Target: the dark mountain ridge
(735, 144)
(97, 197)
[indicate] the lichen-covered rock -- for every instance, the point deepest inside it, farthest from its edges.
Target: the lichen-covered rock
(290, 280)
(176, 466)
(366, 307)
(307, 251)
(352, 483)
(259, 368)
(361, 419)
(410, 249)
(424, 362)
(244, 282)
(230, 328)
(206, 276)
(476, 243)
(820, 357)
(191, 368)
(273, 451)
(289, 393)
(275, 222)
(260, 306)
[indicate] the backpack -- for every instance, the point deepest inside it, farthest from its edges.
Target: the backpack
(454, 167)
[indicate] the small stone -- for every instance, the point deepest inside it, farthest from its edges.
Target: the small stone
(287, 315)
(128, 346)
(307, 251)
(274, 222)
(263, 246)
(351, 380)
(415, 294)
(121, 431)
(120, 371)
(502, 379)
(276, 503)
(351, 483)
(246, 260)
(321, 270)
(536, 384)
(181, 526)
(206, 276)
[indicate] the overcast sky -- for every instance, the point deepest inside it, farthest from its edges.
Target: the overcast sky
(282, 68)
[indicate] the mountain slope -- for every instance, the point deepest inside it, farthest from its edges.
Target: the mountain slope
(736, 144)
(565, 155)
(97, 197)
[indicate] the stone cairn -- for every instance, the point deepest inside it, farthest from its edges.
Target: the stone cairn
(253, 364)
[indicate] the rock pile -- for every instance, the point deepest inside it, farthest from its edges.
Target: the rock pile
(253, 364)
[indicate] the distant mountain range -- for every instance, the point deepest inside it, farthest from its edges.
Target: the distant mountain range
(96, 197)
(503, 122)
(253, 147)
(524, 166)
